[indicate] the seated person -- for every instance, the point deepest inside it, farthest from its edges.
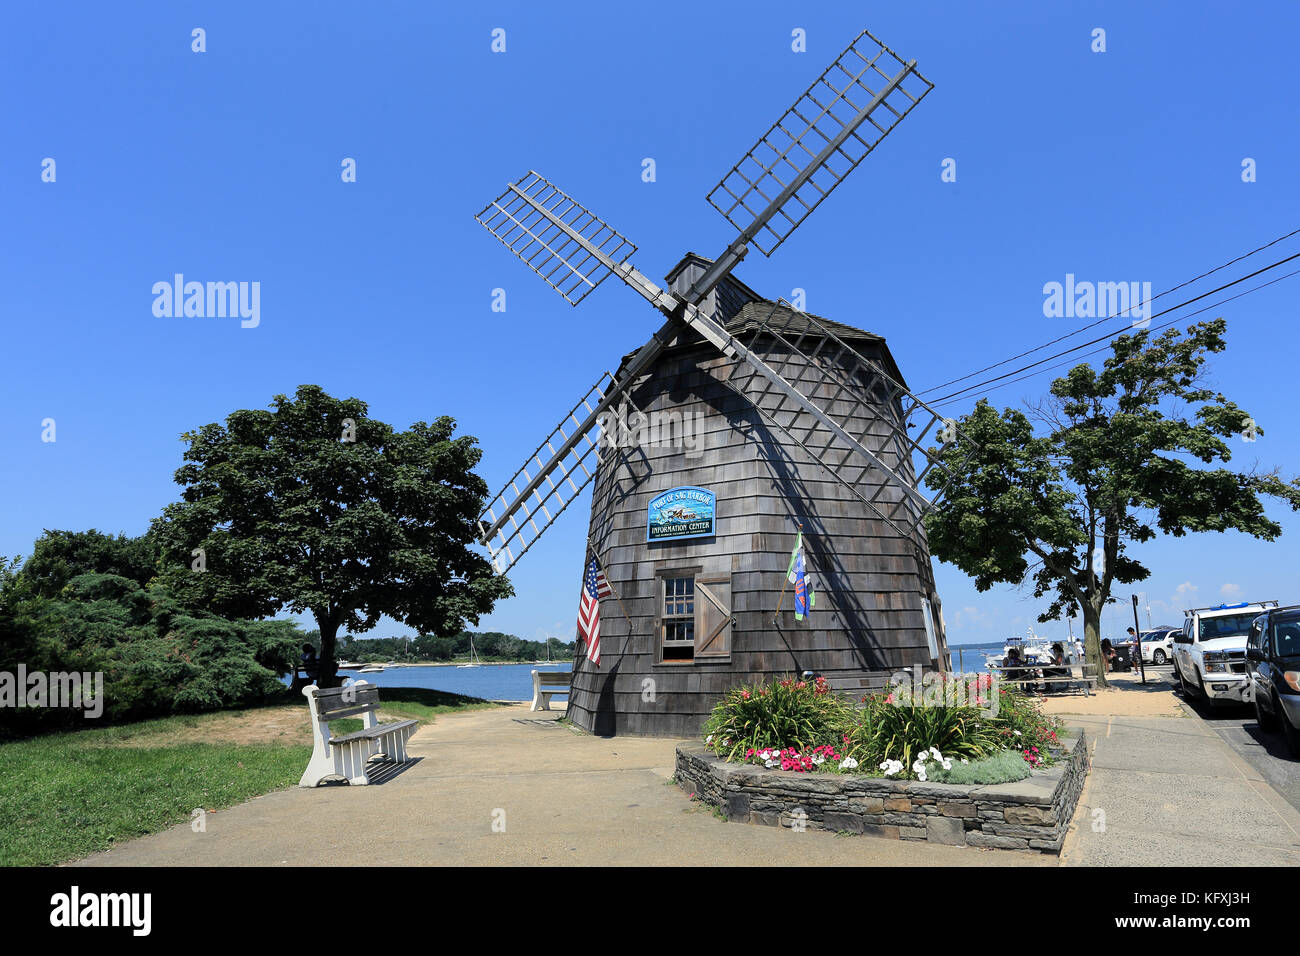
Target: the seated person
(1014, 668)
(1060, 667)
(308, 663)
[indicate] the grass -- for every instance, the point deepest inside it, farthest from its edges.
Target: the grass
(65, 796)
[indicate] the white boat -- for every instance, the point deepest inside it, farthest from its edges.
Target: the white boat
(371, 669)
(1033, 650)
(473, 657)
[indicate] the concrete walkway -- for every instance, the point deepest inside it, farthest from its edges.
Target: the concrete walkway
(1166, 791)
(1163, 790)
(565, 798)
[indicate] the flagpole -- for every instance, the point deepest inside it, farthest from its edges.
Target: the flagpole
(591, 548)
(781, 599)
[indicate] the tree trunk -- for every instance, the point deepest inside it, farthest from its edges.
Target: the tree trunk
(1092, 642)
(327, 675)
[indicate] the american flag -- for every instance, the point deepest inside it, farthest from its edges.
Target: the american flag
(594, 587)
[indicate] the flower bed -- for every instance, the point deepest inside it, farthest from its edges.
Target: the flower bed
(1030, 814)
(948, 760)
(801, 727)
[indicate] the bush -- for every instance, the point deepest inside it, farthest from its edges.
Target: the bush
(1022, 726)
(782, 714)
(1007, 766)
(801, 726)
(155, 658)
(888, 729)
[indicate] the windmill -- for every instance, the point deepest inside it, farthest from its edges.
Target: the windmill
(818, 394)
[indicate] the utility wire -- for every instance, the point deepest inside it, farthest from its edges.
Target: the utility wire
(1084, 328)
(959, 395)
(1109, 335)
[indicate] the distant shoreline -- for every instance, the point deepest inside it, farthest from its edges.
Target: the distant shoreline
(357, 667)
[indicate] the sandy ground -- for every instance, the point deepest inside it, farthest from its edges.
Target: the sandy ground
(1126, 697)
(507, 786)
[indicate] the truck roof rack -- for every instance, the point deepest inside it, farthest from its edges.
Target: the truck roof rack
(1230, 607)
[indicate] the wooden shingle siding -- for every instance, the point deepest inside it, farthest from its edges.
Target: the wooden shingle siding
(870, 581)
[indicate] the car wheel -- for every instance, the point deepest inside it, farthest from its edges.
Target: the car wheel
(1159, 657)
(1291, 734)
(1265, 720)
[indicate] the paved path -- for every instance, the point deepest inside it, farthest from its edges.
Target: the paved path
(567, 799)
(1169, 791)
(1265, 751)
(1163, 790)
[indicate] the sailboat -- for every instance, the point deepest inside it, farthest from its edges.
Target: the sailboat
(473, 657)
(548, 652)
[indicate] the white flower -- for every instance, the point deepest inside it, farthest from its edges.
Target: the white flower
(920, 775)
(1016, 732)
(935, 751)
(709, 739)
(769, 763)
(947, 765)
(818, 760)
(848, 763)
(964, 760)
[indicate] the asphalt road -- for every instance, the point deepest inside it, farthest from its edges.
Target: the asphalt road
(1236, 726)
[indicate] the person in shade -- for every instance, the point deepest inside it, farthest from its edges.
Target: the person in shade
(1107, 654)
(1060, 668)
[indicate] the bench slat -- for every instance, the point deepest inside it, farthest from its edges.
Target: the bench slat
(372, 732)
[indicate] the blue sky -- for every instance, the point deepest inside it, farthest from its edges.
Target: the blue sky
(225, 166)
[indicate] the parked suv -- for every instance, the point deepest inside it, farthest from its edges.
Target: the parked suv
(1273, 662)
(1158, 645)
(1210, 652)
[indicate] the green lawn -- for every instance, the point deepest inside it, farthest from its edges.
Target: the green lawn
(64, 796)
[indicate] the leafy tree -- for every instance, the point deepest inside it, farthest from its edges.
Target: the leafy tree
(59, 556)
(1117, 463)
(315, 506)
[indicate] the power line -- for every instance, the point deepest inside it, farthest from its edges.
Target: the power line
(1091, 325)
(959, 396)
(1109, 335)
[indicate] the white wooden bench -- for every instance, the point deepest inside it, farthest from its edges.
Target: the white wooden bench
(346, 756)
(560, 683)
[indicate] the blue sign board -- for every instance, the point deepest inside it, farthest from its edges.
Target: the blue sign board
(682, 513)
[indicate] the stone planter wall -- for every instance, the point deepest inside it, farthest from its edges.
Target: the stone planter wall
(1031, 814)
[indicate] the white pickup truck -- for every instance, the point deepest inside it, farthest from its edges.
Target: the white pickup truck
(1210, 652)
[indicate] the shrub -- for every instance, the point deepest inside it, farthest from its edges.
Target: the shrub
(1006, 766)
(802, 727)
(1022, 726)
(788, 713)
(888, 729)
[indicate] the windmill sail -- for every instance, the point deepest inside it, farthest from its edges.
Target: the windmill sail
(818, 141)
(829, 130)
(572, 249)
(554, 475)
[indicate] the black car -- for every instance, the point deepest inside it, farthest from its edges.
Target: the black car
(1273, 662)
